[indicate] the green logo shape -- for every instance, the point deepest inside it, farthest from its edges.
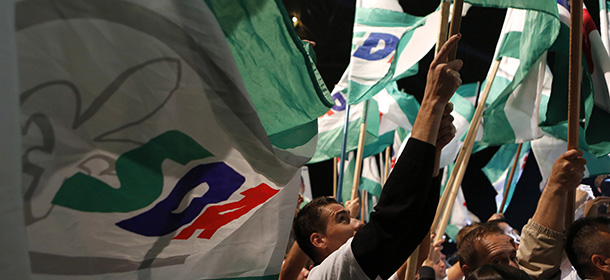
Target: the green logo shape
(140, 176)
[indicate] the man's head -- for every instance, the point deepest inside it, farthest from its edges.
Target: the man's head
(440, 268)
(486, 244)
(588, 247)
(322, 226)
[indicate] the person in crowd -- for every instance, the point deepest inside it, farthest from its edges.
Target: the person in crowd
(542, 240)
(343, 248)
(588, 247)
(434, 267)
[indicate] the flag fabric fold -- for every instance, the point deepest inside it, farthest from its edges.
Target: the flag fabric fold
(146, 152)
(515, 96)
(595, 66)
(387, 45)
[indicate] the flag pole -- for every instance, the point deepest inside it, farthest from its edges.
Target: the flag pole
(341, 170)
(335, 176)
(456, 22)
(442, 38)
(456, 19)
(386, 171)
(360, 151)
(574, 92)
(412, 265)
(457, 174)
(509, 180)
(603, 21)
(442, 33)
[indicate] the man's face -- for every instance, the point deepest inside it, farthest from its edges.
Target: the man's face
(339, 225)
(497, 249)
(440, 268)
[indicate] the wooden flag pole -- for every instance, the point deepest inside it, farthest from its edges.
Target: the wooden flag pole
(386, 170)
(412, 265)
(509, 180)
(464, 155)
(443, 28)
(359, 153)
(456, 22)
(335, 177)
(574, 92)
(440, 41)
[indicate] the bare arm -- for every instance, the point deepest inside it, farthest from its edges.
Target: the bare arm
(567, 172)
(294, 263)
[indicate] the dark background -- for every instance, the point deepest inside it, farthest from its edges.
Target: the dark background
(329, 23)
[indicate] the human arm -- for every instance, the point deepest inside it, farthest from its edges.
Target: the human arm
(408, 202)
(293, 264)
(542, 239)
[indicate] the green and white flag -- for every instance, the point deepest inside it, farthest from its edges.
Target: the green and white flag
(144, 154)
(387, 45)
(514, 100)
(265, 81)
(547, 149)
(499, 167)
(331, 124)
(595, 106)
(370, 178)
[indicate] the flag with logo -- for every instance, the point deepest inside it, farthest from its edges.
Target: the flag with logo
(144, 154)
(595, 107)
(331, 125)
(387, 45)
(514, 100)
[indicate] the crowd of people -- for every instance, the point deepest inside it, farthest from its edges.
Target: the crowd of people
(335, 245)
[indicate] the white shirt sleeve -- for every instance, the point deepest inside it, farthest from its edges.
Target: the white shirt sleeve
(341, 264)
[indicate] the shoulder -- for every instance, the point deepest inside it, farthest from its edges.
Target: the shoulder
(341, 264)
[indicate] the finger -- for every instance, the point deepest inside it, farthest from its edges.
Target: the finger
(572, 154)
(455, 64)
(443, 54)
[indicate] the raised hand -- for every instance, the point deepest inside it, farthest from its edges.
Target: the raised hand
(443, 77)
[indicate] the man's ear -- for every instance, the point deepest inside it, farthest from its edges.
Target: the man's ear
(466, 270)
(601, 262)
(318, 240)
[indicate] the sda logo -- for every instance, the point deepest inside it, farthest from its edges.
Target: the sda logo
(139, 172)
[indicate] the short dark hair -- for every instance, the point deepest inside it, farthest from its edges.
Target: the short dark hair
(584, 240)
(310, 220)
(467, 253)
(465, 230)
(498, 272)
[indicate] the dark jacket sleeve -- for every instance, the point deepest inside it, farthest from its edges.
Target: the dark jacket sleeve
(403, 215)
(427, 273)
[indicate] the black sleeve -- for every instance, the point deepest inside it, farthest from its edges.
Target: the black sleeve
(427, 273)
(403, 215)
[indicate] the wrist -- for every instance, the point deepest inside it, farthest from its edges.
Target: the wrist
(433, 103)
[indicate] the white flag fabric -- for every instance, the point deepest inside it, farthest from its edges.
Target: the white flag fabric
(547, 150)
(387, 45)
(512, 115)
(499, 167)
(144, 156)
